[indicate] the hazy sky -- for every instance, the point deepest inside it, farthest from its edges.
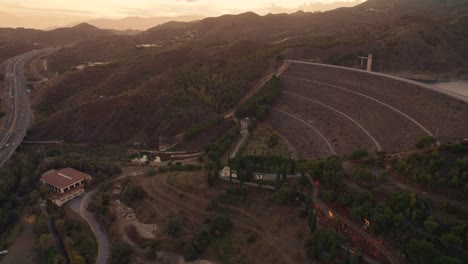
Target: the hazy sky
(46, 13)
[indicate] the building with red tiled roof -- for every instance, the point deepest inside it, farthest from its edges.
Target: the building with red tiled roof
(65, 184)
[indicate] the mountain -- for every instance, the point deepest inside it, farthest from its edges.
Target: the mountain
(175, 75)
(137, 23)
(78, 33)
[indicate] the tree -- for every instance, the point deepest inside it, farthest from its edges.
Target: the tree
(421, 251)
(190, 253)
(361, 174)
(430, 224)
(447, 260)
(450, 240)
(173, 228)
(325, 244)
(313, 222)
(121, 253)
(46, 242)
(76, 258)
(304, 180)
(220, 225)
(252, 125)
(384, 176)
(34, 196)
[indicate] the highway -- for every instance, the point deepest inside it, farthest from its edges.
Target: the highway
(15, 98)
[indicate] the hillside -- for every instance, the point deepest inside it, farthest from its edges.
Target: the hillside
(144, 97)
(137, 23)
(163, 81)
(14, 41)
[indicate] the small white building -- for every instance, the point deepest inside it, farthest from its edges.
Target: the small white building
(244, 123)
(226, 171)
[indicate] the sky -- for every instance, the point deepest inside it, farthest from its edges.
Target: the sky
(49, 13)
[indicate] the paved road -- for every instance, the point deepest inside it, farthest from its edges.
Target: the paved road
(80, 204)
(14, 93)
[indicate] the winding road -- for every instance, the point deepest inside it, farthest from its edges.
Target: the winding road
(18, 110)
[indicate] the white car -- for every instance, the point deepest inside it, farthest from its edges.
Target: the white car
(4, 252)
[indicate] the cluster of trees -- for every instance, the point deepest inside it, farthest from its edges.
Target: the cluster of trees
(221, 84)
(121, 253)
(216, 226)
(398, 208)
(234, 195)
(424, 251)
(200, 127)
(17, 181)
(264, 163)
(79, 242)
(100, 206)
(325, 244)
(445, 166)
(220, 146)
(328, 171)
(132, 194)
(257, 106)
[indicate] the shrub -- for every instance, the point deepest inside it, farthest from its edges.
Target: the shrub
(190, 253)
(173, 228)
(133, 194)
(359, 154)
(220, 225)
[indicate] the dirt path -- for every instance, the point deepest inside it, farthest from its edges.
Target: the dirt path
(377, 145)
(327, 142)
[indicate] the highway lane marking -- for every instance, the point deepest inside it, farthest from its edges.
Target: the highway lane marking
(368, 97)
(330, 146)
(8, 133)
(376, 143)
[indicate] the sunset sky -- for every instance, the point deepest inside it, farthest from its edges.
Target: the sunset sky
(47, 13)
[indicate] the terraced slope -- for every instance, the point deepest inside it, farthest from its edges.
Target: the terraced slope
(354, 110)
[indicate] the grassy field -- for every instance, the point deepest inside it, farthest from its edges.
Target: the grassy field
(264, 140)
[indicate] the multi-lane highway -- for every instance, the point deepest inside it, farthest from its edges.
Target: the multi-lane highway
(14, 96)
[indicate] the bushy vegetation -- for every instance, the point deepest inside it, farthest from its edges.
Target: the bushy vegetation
(200, 127)
(222, 84)
(216, 226)
(220, 146)
(121, 253)
(257, 106)
(133, 194)
(264, 163)
(446, 166)
(325, 244)
(234, 195)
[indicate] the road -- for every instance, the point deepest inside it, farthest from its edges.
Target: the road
(18, 111)
(80, 205)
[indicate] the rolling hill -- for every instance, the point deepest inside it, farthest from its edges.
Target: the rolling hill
(190, 71)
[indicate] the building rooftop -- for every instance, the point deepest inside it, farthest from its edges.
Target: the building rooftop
(64, 177)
